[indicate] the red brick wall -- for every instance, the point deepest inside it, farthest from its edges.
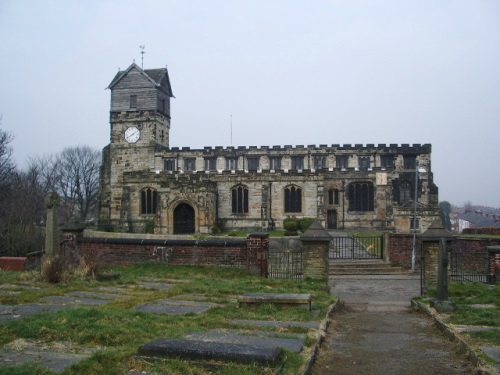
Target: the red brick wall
(247, 253)
(12, 263)
(401, 248)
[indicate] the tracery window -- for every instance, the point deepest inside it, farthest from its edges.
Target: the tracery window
(293, 199)
(149, 201)
(404, 192)
(360, 195)
(239, 199)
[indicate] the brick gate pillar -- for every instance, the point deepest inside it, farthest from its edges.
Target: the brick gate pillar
(257, 253)
(315, 243)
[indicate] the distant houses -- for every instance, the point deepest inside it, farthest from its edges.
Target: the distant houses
(469, 218)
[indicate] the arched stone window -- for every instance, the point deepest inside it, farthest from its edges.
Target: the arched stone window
(404, 192)
(239, 199)
(361, 196)
(293, 199)
(149, 201)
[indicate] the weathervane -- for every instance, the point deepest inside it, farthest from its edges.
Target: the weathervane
(142, 55)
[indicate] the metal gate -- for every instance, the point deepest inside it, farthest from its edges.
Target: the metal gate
(356, 247)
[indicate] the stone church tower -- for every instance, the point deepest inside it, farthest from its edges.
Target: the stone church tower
(146, 184)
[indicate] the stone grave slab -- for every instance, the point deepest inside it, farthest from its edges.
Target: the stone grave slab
(75, 300)
(14, 312)
(175, 307)
(274, 323)
(202, 350)
(56, 359)
(96, 295)
(461, 328)
(232, 337)
(56, 362)
(157, 286)
(495, 354)
(282, 299)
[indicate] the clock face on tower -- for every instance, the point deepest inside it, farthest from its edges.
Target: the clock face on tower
(132, 134)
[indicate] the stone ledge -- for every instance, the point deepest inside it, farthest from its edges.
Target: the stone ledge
(282, 299)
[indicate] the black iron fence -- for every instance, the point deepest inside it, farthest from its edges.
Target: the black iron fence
(285, 265)
(356, 247)
(470, 266)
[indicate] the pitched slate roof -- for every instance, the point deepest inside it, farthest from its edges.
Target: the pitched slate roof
(154, 75)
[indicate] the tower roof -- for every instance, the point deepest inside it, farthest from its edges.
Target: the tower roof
(158, 77)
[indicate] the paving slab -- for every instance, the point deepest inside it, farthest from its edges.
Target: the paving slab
(462, 328)
(157, 286)
(294, 345)
(13, 312)
(96, 295)
(275, 323)
(54, 358)
(175, 307)
(75, 300)
(492, 352)
(201, 350)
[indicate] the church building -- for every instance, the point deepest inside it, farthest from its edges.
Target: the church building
(146, 184)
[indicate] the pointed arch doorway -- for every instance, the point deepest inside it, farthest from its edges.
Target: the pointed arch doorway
(184, 219)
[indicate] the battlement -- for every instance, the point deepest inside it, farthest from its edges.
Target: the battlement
(322, 148)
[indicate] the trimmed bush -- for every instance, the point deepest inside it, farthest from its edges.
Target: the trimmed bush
(305, 222)
(291, 225)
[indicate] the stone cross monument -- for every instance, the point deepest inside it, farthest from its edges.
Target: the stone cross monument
(52, 226)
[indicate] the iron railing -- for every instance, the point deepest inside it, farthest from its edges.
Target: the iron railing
(470, 266)
(285, 265)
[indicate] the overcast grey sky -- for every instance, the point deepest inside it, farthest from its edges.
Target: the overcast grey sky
(289, 72)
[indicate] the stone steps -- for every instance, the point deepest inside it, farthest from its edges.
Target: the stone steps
(363, 267)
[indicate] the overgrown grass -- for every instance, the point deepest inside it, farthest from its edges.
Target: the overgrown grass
(117, 331)
(465, 295)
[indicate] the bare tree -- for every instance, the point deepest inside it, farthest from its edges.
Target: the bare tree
(77, 181)
(7, 166)
(24, 212)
